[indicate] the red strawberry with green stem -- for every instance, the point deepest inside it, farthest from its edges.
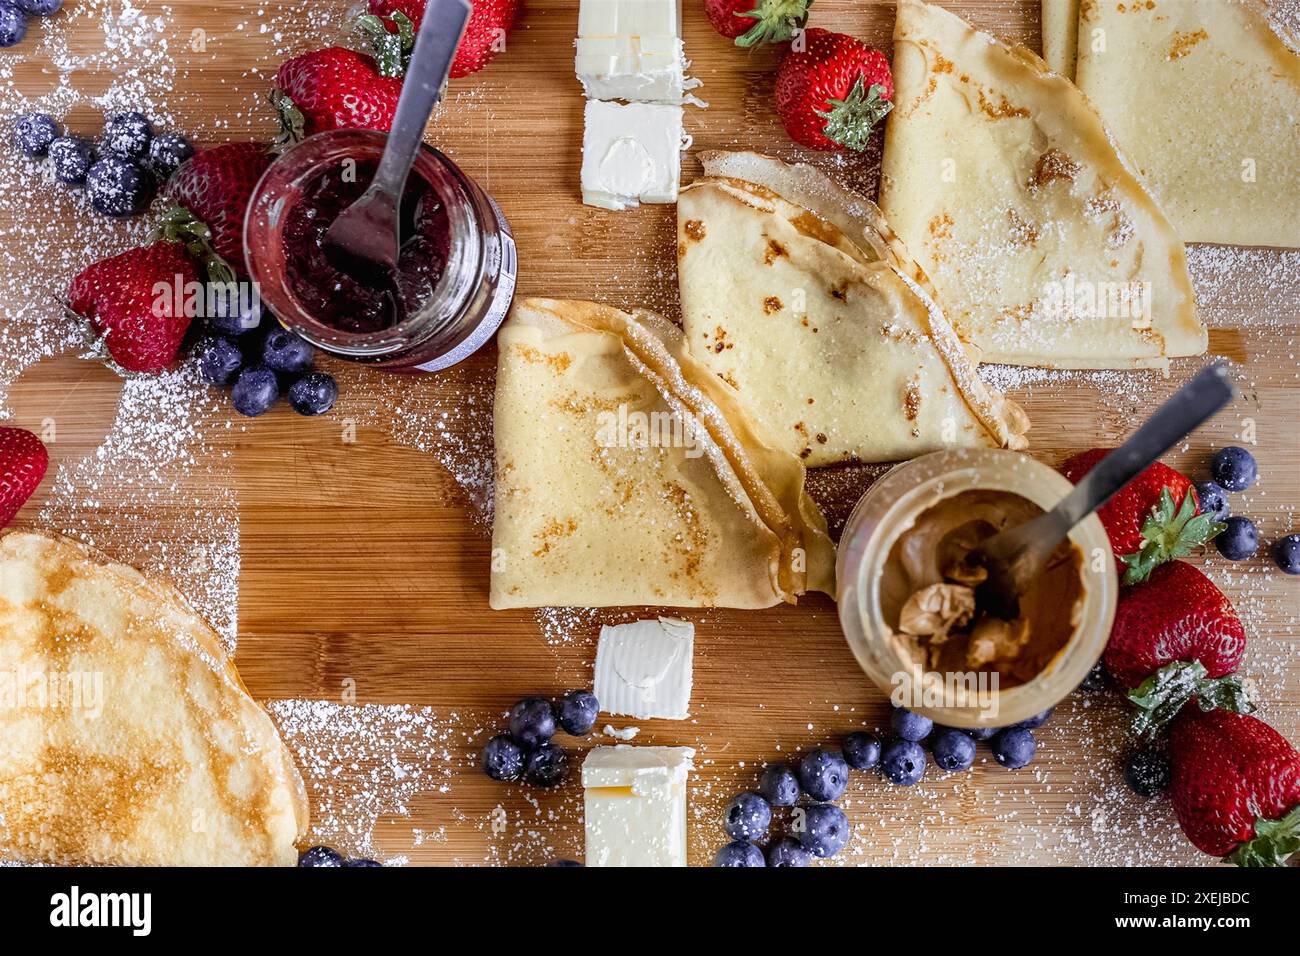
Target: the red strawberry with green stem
(485, 33)
(23, 460)
(132, 301)
(1152, 519)
(215, 185)
(1176, 615)
(751, 22)
(1235, 786)
(830, 93)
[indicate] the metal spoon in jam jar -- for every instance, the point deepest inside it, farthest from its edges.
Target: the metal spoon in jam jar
(1016, 556)
(364, 240)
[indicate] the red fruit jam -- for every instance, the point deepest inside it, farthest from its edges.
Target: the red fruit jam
(339, 300)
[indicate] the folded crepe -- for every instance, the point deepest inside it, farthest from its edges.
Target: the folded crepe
(797, 294)
(126, 735)
(1204, 97)
(627, 475)
(1044, 245)
(1060, 34)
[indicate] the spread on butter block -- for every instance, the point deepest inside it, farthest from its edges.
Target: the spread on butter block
(643, 669)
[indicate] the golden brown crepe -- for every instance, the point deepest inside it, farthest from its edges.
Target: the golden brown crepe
(1204, 97)
(1044, 246)
(126, 735)
(627, 475)
(797, 295)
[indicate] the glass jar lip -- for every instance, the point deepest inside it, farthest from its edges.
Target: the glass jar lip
(454, 286)
(894, 500)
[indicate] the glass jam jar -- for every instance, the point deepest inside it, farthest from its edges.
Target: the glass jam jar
(870, 549)
(465, 257)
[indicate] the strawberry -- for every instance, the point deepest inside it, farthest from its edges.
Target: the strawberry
(1176, 615)
(130, 299)
(338, 88)
(215, 185)
(1235, 786)
(1153, 519)
(23, 460)
(832, 92)
(485, 33)
(751, 22)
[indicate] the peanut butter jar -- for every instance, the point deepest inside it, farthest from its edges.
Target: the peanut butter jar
(908, 607)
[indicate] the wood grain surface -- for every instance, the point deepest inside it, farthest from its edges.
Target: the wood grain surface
(364, 550)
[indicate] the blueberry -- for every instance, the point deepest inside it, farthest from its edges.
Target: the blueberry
(117, 187)
(314, 394)
(220, 359)
(1147, 772)
(71, 157)
(320, 856)
(788, 851)
(167, 152)
(578, 710)
(739, 853)
(1238, 540)
(548, 765)
(1287, 554)
(40, 8)
(563, 864)
(33, 133)
(1212, 499)
(1036, 721)
(1014, 747)
(861, 750)
(910, 726)
(13, 24)
(823, 773)
(532, 721)
(747, 817)
(503, 759)
(1234, 468)
(127, 135)
(779, 785)
(282, 351)
(255, 391)
(1095, 680)
(903, 762)
(952, 749)
(825, 830)
(362, 861)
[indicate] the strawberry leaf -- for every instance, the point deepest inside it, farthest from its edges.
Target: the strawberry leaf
(293, 125)
(849, 121)
(178, 224)
(1161, 696)
(390, 48)
(1169, 532)
(778, 21)
(1275, 840)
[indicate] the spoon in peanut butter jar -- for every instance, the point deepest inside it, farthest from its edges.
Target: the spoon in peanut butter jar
(364, 240)
(1015, 557)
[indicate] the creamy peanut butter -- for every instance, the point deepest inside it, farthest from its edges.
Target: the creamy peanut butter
(928, 596)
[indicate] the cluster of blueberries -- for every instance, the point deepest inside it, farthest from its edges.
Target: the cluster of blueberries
(325, 856)
(1234, 469)
(526, 751)
(260, 366)
(15, 13)
(121, 172)
(821, 828)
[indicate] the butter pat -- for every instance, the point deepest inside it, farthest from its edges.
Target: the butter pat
(630, 18)
(634, 802)
(631, 154)
(638, 69)
(644, 669)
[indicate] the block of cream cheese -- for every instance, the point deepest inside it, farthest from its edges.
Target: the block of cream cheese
(631, 154)
(634, 801)
(643, 669)
(638, 69)
(630, 18)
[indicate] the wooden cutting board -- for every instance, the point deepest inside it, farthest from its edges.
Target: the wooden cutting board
(355, 549)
